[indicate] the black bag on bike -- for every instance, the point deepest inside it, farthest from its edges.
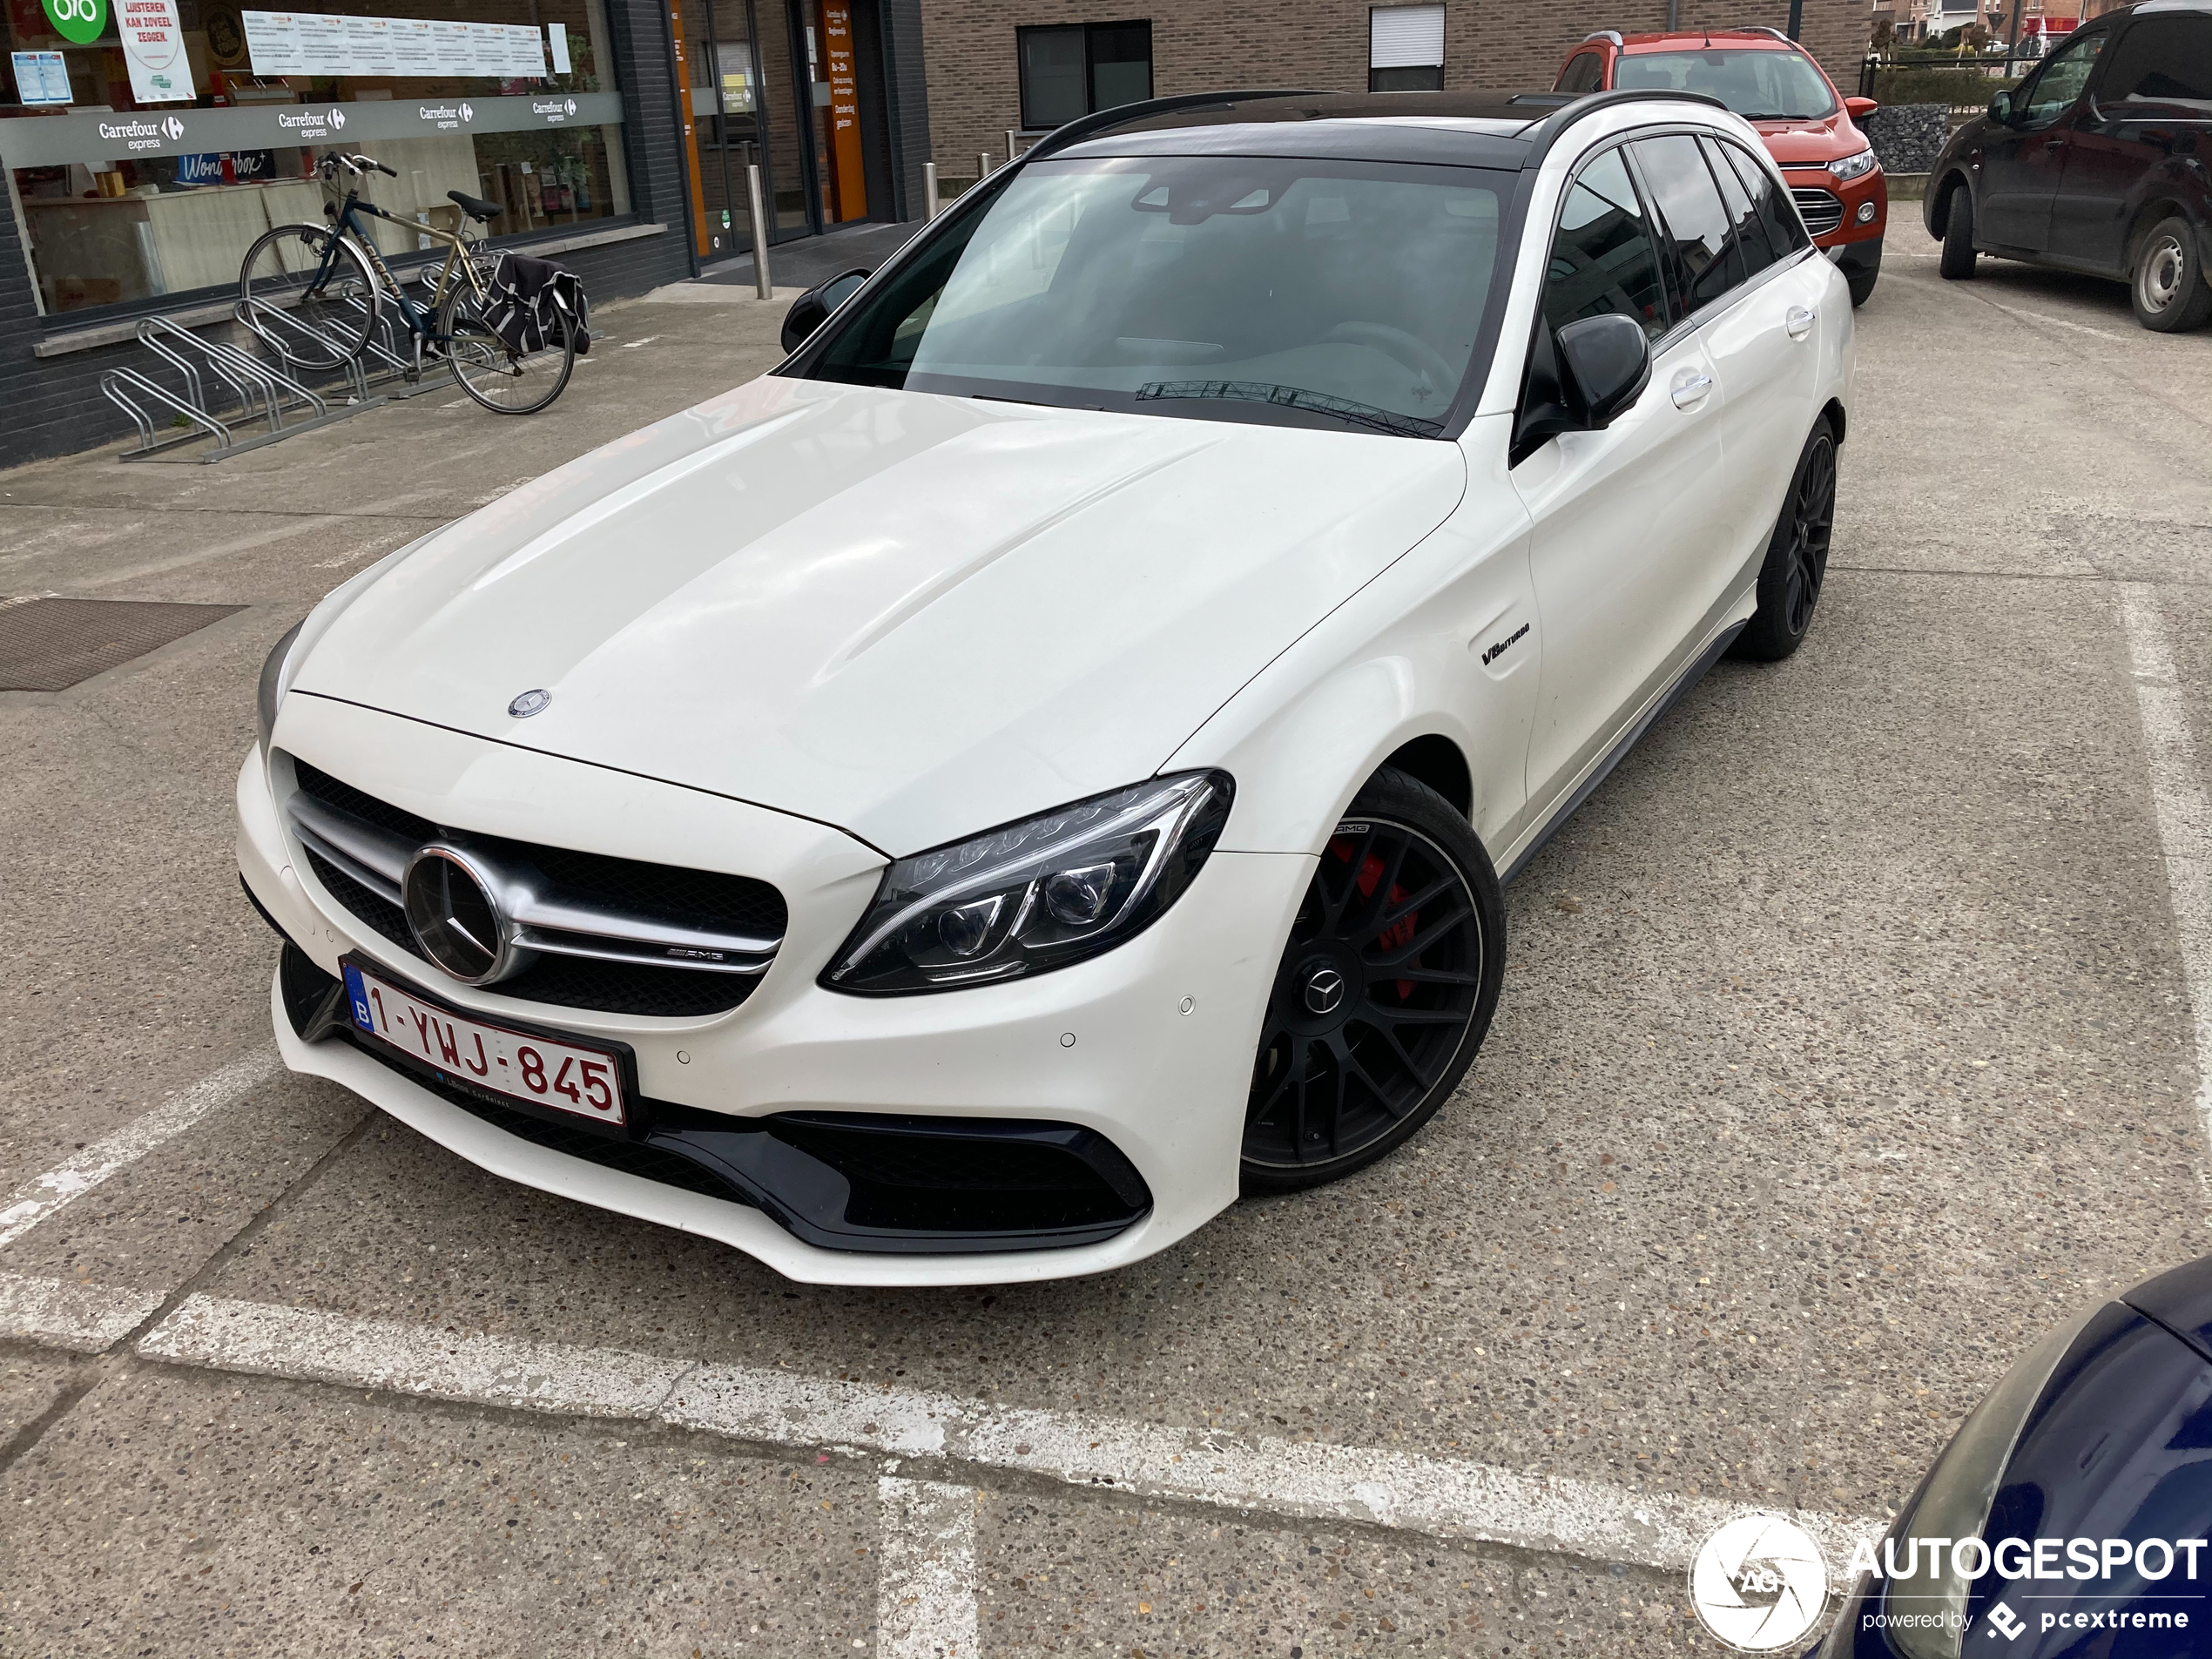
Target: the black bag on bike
(527, 295)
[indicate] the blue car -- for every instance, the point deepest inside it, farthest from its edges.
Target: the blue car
(2071, 1513)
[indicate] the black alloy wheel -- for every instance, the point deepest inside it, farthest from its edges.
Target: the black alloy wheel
(1384, 990)
(1797, 556)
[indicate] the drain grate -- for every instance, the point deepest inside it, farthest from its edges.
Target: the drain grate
(51, 645)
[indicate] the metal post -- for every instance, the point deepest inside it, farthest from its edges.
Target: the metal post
(929, 190)
(1012, 134)
(1674, 14)
(1797, 17)
(982, 165)
(762, 286)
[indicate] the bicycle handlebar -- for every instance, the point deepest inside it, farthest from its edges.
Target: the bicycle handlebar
(358, 163)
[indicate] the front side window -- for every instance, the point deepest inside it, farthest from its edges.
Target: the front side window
(1758, 83)
(1406, 48)
(1603, 259)
(1785, 229)
(2059, 83)
(1077, 69)
(1698, 230)
(2165, 61)
(1326, 293)
(1583, 72)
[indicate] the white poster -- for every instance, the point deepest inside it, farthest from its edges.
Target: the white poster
(527, 47)
(368, 46)
(154, 47)
(42, 78)
(414, 45)
(273, 42)
(326, 44)
(490, 43)
(558, 34)
(453, 49)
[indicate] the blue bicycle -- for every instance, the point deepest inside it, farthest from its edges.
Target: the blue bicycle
(321, 291)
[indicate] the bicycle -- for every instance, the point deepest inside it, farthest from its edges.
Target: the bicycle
(332, 281)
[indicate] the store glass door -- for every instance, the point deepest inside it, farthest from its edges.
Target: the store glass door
(740, 117)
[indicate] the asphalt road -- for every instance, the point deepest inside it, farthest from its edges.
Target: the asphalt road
(1847, 1040)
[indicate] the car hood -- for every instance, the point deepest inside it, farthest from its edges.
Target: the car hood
(1812, 144)
(910, 616)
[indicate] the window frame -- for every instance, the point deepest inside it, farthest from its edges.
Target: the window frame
(1646, 207)
(1089, 31)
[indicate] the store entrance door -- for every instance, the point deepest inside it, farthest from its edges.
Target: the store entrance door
(740, 110)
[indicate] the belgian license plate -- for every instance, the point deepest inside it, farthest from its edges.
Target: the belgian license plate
(564, 1076)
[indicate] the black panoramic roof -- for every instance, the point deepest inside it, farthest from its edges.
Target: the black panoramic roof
(1504, 130)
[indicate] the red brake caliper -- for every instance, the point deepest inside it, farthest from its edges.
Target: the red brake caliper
(1399, 932)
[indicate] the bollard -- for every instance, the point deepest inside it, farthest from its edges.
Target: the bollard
(762, 286)
(929, 190)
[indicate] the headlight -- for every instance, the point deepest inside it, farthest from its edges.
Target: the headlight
(1036, 895)
(1853, 166)
(275, 679)
(1954, 1502)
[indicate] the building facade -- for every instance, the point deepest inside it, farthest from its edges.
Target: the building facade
(148, 144)
(1021, 65)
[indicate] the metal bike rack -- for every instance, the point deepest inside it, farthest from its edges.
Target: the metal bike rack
(263, 394)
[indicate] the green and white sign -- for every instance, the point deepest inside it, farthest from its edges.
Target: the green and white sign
(78, 20)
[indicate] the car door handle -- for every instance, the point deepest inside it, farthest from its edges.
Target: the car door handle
(1798, 322)
(1691, 389)
(2054, 144)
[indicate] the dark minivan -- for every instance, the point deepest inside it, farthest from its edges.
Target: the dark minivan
(2096, 163)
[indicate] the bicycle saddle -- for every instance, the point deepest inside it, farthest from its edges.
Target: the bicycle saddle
(476, 206)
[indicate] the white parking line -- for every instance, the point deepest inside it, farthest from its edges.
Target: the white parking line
(84, 1318)
(1305, 1480)
(59, 1187)
(2184, 815)
(925, 1592)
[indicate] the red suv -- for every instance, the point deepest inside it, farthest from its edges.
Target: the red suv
(1764, 76)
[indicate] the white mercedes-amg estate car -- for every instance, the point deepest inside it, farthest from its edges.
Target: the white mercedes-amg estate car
(1040, 763)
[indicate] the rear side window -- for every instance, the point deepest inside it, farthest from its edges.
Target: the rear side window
(1746, 229)
(1584, 71)
(1604, 259)
(2165, 61)
(1694, 222)
(1785, 232)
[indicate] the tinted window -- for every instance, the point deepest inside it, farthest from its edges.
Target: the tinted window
(2163, 60)
(1759, 83)
(1785, 232)
(1070, 71)
(1603, 259)
(1694, 224)
(1583, 72)
(2061, 81)
(1745, 225)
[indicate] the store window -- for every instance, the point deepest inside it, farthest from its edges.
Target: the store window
(148, 143)
(1406, 48)
(1071, 70)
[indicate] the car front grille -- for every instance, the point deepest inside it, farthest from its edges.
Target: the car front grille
(615, 935)
(1822, 209)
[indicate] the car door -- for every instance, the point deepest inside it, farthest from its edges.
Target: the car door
(2148, 108)
(2022, 165)
(1622, 522)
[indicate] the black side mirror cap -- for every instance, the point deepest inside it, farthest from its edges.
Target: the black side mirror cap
(811, 309)
(1580, 379)
(2001, 109)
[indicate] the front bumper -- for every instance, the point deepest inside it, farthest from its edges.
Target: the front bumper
(1855, 198)
(1150, 1045)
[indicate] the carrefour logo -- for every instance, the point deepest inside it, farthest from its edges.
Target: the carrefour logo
(174, 128)
(338, 117)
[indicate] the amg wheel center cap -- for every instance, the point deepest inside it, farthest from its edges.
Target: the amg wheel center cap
(1324, 990)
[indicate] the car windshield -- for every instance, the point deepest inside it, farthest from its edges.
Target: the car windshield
(1329, 293)
(1759, 83)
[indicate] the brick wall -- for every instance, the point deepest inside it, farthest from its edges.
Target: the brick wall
(974, 91)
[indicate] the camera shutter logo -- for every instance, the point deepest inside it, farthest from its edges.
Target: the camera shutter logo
(82, 20)
(1759, 1583)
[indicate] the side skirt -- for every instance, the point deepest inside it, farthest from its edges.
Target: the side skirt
(1690, 675)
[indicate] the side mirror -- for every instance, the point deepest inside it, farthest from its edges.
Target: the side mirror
(2001, 109)
(1580, 379)
(811, 309)
(1859, 108)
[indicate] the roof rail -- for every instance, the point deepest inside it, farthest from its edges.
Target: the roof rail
(1089, 126)
(1613, 35)
(1759, 29)
(1541, 139)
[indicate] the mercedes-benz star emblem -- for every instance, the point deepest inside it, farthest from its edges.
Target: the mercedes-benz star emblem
(455, 920)
(1324, 990)
(529, 703)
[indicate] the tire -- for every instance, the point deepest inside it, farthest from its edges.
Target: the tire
(1403, 910)
(1957, 261)
(2167, 282)
(323, 286)
(496, 377)
(1797, 556)
(1861, 284)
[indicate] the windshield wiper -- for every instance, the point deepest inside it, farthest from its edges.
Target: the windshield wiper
(1295, 397)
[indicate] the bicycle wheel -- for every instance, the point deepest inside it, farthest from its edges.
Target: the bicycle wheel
(324, 287)
(504, 382)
